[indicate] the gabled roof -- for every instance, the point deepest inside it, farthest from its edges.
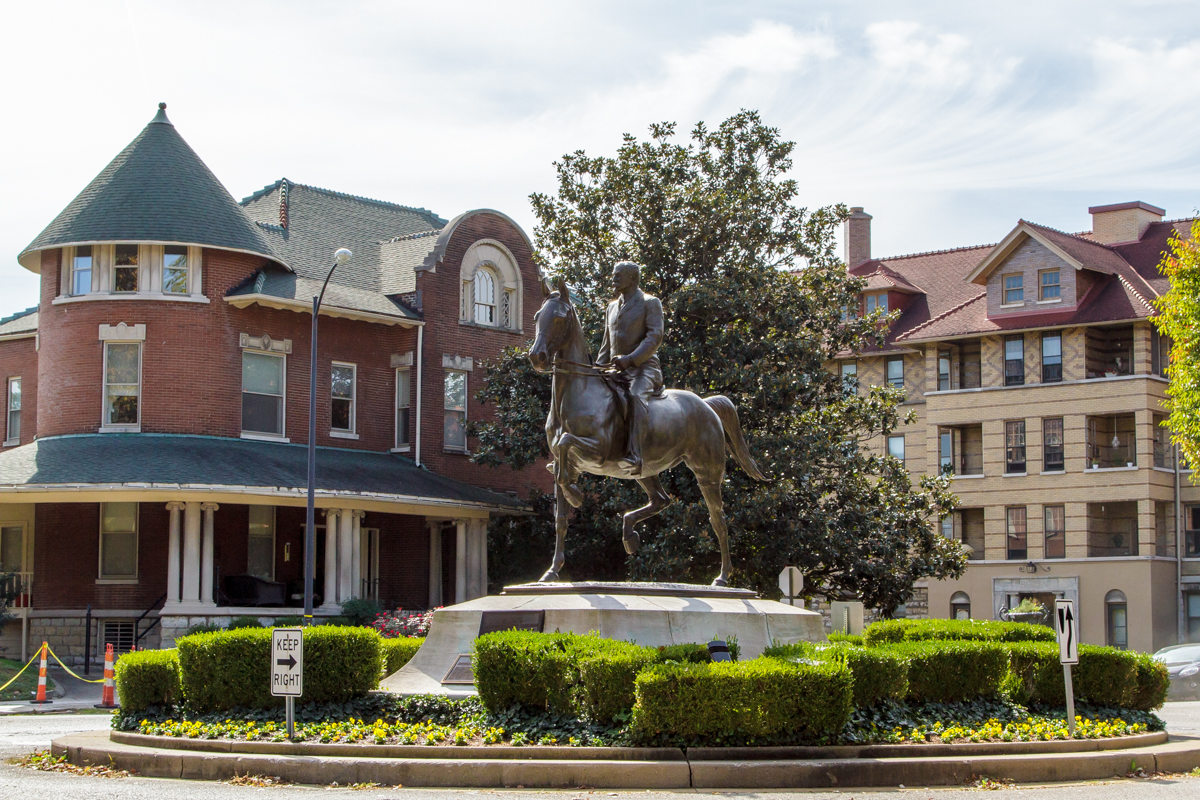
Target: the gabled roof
(1079, 252)
(881, 278)
(275, 288)
(156, 190)
(21, 324)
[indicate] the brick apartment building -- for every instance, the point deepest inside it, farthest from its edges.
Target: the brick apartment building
(153, 465)
(1038, 382)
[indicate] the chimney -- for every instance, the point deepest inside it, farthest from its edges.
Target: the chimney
(1123, 222)
(857, 237)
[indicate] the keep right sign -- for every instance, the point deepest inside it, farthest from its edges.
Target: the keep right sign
(1066, 624)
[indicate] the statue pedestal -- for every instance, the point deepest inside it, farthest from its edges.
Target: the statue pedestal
(649, 614)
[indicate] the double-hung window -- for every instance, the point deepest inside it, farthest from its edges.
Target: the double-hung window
(12, 430)
(1051, 357)
(175, 270)
(125, 268)
(1014, 360)
(455, 423)
(81, 270)
(1014, 447)
(1048, 286)
(850, 377)
(943, 370)
(896, 447)
(877, 302)
(1014, 289)
(1056, 531)
(122, 384)
(1017, 543)
(485, 297)
(895, 372)
(403, 391)
(946, 452)
(1052, 445)
(262, 393)
(260, 549)
(118, 541)
(344, 388)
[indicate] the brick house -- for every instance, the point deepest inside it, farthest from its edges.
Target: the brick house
(154, 459)
(1038, 383)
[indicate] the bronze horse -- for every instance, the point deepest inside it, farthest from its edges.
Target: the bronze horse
(586, 432)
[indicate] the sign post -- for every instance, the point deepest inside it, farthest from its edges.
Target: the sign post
(791, 583)
(1066, 625)
(287, 670)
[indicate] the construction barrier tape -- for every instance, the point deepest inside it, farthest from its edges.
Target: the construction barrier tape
(68, 669)
(14, 677)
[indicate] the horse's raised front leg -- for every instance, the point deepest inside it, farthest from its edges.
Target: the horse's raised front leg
(560, 541)
(716, 515)
(659, 500)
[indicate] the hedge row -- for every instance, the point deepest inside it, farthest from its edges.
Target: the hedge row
(878, 674)
(1104, 676)
(762, 697)
(221, 670)
(893, 631)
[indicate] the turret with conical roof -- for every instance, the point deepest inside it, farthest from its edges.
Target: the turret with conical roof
(157, 190)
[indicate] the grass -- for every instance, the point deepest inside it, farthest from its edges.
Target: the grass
(25, 687)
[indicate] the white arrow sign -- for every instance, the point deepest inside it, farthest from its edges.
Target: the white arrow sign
(1066, 624)
(287, 662)
(791, 582)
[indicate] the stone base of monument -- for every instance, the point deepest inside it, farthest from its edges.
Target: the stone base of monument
(651, 614)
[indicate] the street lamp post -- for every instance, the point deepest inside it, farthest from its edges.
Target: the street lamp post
(310, 529)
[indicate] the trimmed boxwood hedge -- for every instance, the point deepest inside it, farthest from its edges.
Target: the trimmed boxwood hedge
(762, 697)
(953, 671)
(879, 674)
(232, 668)
(918, 630)
(1152, 683)
(147, 678)
(398, 651)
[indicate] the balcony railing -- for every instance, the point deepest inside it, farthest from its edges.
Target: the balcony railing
(18, 586)
(1107, 457)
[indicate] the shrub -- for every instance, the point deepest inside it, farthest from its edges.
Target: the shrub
(689, 653)
(762, 697)
(360, 611)
(288, 622)
(1152, 683)
(400, 623)
(398, 652)
(232, 668)
(878, 673)
(244, 622)
(837, 637)
(606, 680)
(147, 678)
(203, 627)
(1104, 676)
(953, 671)
(918, 630)
(336, 622)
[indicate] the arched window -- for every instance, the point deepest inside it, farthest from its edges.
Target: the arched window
(485, 297)
(960, 606)
(1116, 614)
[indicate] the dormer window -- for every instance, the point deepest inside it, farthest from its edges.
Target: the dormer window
(877, 302)
(490, 284)
(1048, 285)
(175, 270)
(81, 270)
(1014, 289)
(125, 268)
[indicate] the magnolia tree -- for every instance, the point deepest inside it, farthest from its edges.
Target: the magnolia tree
(1179, 318)
(753, 296)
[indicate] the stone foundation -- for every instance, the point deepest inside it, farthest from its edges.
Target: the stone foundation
(67, 636)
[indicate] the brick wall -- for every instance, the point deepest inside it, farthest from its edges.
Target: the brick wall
(1028, 259)
(19, 358)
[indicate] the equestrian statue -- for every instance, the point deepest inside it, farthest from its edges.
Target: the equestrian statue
(612, 417)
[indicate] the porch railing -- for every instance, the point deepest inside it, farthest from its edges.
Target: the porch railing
(19, 586)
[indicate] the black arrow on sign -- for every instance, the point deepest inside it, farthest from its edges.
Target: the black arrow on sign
(1070, 628)
(290, 662)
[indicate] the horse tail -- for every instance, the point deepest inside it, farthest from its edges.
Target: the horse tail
(734, 440)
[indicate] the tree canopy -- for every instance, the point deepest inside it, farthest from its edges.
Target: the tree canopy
(754, 298)
(1179, 318)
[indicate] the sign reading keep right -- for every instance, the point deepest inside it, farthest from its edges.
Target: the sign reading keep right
(287, 662)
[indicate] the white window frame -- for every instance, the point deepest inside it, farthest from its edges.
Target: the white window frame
(162, 270)
(402, 401)
(122, 579)
(105, 426)
(151, 259)
(270, 437)
(9, 439)
(485, 272)
(466, 402)
(274, 540)
(112, 266)
(91, 287)
(902, 457)
(352, 431)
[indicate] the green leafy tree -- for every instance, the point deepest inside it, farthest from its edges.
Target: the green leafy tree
(1179, 318)
(753, 296)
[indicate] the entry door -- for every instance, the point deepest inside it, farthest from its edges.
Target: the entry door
(369, 579)
(12, 560)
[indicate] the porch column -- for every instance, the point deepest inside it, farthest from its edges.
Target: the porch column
(191, 552)
(206, 554)
(356, 587)
(331, 597)
(345, 554)
(460, 561)
(435, 563)
(483, 567)
(173, 552)
(472, 559)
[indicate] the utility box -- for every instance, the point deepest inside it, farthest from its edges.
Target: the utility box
(847, 617)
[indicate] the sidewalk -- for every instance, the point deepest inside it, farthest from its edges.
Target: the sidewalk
(69, 694)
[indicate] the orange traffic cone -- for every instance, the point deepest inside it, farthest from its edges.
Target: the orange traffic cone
(41, 693)
(107, 699)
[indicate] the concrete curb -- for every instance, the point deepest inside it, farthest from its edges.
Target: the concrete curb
(601, 768)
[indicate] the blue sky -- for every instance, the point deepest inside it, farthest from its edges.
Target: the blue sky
(947, 121)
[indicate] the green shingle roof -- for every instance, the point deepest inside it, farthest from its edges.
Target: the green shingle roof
(156, 190)
(144, 461)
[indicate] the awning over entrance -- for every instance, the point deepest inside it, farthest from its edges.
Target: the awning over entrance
(92, 467)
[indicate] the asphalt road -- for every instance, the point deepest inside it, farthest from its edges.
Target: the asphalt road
(21, 734)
